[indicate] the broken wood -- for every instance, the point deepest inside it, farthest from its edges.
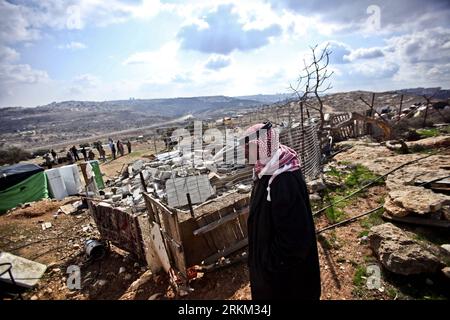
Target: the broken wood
(226, 251)
(213, 225)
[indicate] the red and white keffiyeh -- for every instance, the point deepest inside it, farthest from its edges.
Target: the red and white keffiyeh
(274, 158)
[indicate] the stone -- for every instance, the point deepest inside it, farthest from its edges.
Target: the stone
(316, 185)
(242, 188)
(415, 199)
(446, 272)
(315, 197)
(127, 276)
(34, 297)
(116, 198)
(446, 212)
(108, 195)
(122, 270)
(26, 272)
(100, 283)
(446, 247)
(399, 253)
(393, 209)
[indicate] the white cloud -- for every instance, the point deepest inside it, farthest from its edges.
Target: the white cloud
(216, 62)
(8, 54)
(364, 53)
(431, 45)
(73, 45)
(375, 70)
(84, 84)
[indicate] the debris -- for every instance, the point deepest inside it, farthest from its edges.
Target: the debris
(100, 283)
(68, 208)
(315, 197)
(155, 296)
(316, 185)
(46, 225)
(401, 202)
(242, 188)
(399, 253)
(95, 249)
(116, 198)
(127, 276)
(198, 187)
(26, 273)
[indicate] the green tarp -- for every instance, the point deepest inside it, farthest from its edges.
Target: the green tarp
(31, 189)
(98, 174)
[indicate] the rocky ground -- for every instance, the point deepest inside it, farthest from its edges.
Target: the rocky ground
(347, 253)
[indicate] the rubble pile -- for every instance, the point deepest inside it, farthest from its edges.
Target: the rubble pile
(153, 176)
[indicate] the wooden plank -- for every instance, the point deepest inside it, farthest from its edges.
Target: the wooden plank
(213, 225)
(226, 228)
(223, 253)
(196, 248)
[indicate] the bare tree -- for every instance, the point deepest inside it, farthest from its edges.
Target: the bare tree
(313, 82)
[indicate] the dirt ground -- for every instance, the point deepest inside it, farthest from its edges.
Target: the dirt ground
(343, 251)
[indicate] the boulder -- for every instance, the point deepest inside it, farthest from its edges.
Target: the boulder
(315, 197)
(414, 199)
(399, 253)
(316, 185)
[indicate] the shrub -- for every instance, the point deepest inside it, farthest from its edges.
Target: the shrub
(13, 155)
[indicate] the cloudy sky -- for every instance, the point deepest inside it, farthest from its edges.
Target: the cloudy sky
(53, 50)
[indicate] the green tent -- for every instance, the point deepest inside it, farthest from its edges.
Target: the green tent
(21, 183)
(98, 175)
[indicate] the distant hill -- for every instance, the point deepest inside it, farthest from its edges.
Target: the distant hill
(269, 98)
(437, 92)
(72, 120)
(66, 121)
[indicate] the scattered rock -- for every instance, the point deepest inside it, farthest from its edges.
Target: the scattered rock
(446, 247)
(316, 185)
(122, 270)
(100, 283)
(127, 276)
(34, 297)
(154, 296)
(414, 199)
(315, 197)
(363, 239)
(400, 254)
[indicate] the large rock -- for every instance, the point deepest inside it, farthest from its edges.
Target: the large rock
(316, 185)
(414, 199)
(399, 253)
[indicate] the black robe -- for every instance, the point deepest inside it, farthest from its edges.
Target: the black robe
(283, 259)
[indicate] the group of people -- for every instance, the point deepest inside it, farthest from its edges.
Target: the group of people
(51, 158)
(118, 147)
(73, 156)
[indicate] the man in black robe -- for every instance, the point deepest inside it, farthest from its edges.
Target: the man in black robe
(283, 259)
